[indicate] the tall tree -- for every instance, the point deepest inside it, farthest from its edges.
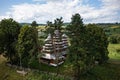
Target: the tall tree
(9, 30)
(2, 36)
(50, 27)
(27, 44)
(76, 32)
(87, 45)
(98, 42)
(58, 23)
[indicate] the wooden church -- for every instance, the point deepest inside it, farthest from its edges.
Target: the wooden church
(54, 51)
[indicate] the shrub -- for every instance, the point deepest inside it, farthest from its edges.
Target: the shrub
(118, 50)
(34, 63)
(114, 39)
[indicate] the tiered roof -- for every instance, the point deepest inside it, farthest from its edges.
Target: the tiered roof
(55, 46)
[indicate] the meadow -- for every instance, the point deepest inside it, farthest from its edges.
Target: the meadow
(114, 52)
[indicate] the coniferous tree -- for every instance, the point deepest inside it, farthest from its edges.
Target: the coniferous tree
(88, 44)
(50, 27)
(77, 55)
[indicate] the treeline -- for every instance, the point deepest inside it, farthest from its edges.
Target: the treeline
(19, 44)
(88, 43)
(113, 33)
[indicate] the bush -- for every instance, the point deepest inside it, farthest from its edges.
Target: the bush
(34, 63)
(118, 38)
(44, 76)
(114, 39)
(118, 50)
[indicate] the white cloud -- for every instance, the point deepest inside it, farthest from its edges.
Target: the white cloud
(52, 9)
(46, 0)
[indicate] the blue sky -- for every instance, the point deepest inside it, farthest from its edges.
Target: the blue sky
(92, 11)
(6, 4)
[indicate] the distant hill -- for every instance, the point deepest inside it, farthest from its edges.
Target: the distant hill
(67, 23)
(108, 24)
(30, 24)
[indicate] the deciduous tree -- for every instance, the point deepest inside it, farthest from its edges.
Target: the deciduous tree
(34, 24)
(27, 44)
(98, 43)
(9, 30)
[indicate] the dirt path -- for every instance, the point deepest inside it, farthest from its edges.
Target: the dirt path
(2, 59)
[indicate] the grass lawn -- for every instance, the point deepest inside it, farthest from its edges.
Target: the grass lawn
(7, 73)
(113, 54)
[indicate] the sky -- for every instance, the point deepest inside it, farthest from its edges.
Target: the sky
(92, 11)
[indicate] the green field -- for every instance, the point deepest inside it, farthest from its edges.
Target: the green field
(8, 73)
(113, 54)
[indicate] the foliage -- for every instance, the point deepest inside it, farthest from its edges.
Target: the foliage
(88, 44)
(78, 53)
(97, 42)
(118, 50)
(112, 30)
(114, 39)
(104, 72)
(109, 71)
(34, 24)
(34, 63)
(44, 76)
(27, 44)
(9, 30)
(2, 36)
(50, 27)
(114, 51)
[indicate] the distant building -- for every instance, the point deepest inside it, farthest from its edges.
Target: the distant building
(55, 49)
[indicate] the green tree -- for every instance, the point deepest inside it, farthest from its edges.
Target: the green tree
(114, 39)
(50, 27)
(58, 23)
(77, 51)
(27, 45)
(34, 24)
(9, 30)
(97, 42)
(2, 36)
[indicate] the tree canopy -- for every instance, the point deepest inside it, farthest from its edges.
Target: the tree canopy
(50, 27)
(27, 43)
(9, 30)
(98, 42)
(87, 45)
(34, 24)
(78, 56)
